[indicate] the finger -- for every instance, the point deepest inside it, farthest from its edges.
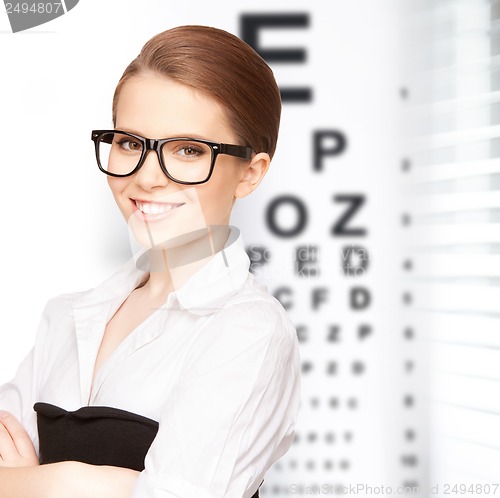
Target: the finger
(8, 449)
(19, 436)
(17, 432)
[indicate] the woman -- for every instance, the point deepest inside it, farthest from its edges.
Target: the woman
(179, 375)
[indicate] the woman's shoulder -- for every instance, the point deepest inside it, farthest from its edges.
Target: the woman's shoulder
(120, 280)
(250, 326)
(255, 309)
(253, 291)
(63, 301)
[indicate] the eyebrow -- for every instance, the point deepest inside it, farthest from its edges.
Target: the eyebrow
(186, 135)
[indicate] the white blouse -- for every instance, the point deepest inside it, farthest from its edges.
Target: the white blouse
(217, 366)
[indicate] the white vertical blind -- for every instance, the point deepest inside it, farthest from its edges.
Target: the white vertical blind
(452, 218)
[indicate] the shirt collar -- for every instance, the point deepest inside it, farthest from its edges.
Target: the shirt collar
(206, 291)
(224, 275)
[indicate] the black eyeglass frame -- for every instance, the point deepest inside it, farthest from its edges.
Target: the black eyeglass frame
(155, 144)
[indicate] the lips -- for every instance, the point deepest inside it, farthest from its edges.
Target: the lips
(155, 210)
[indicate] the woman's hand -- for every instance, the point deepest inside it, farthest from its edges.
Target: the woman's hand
(63, 479)
(16, 447)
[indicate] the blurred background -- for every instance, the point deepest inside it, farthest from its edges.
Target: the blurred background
(377, 226)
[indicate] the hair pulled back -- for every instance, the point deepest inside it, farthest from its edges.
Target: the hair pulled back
(222, 66)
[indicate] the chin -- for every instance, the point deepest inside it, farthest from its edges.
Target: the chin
(166, 234)
(148, 237)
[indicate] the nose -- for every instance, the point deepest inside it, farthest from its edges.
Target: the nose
(150, 174)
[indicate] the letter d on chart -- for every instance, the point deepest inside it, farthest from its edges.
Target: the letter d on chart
(27, 14)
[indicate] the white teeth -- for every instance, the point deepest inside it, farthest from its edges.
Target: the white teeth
(154, 207)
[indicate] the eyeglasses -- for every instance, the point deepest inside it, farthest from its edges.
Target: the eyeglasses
(189, 161)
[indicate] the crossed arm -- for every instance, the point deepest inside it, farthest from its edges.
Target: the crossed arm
(21, 475)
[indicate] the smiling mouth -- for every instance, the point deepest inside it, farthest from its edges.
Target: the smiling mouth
(156, 209)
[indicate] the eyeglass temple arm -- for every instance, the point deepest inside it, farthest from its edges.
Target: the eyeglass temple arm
(237, 151)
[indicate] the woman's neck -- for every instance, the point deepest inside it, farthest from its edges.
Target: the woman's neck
(172, 263)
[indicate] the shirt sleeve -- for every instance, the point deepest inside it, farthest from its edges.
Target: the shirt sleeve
(18, 395)
(232, 414)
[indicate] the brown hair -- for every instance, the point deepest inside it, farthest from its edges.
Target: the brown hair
(222, 66)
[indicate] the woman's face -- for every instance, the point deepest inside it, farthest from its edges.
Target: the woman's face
(157, 209)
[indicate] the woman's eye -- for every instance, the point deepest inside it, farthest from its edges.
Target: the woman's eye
(189, 151)
(130, 145)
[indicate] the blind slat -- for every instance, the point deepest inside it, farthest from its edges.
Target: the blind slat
(463, 328)
(483, 395)
(434, 203)
(449, 265)
(456, 297)
(450, 171)
(466, 462)
(453, 234)
(473, 361)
